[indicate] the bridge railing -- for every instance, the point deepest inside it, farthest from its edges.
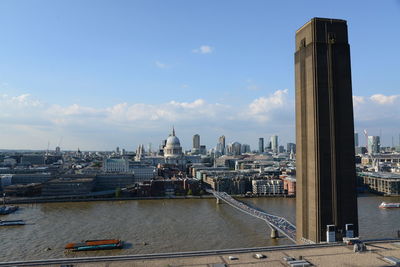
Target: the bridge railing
(279, 223)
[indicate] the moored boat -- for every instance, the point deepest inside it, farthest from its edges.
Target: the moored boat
(385, 205)
(95, 245)
(7, 209)
(11, 222)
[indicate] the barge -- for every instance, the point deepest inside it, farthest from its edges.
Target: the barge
(12, 222)
(95, 245)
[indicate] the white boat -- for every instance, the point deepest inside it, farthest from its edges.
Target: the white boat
(385, 205)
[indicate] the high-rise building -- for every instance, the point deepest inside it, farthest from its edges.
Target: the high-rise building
(274, 143)
(356, 139)
(326, 177)
(291, 147)
(235, 148)
(245, 148)
(261, 145)
(196, 141)
(58, 151)
(374, 144)
(221, 145)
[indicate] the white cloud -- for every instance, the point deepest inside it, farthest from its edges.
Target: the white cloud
(261, 107)
(20, 100)
(204, 49)
(24, 115)
(161, 65)
(383, 99)
(358, 100)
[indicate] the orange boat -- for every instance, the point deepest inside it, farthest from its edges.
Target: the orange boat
(95, 245)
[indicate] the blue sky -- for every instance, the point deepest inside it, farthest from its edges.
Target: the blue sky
(103, 74)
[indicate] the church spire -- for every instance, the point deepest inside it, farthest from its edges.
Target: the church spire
(173, 131)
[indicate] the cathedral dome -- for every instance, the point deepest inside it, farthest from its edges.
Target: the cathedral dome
(173, 147)
(172, 140)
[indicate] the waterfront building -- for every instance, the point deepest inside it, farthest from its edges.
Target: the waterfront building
(267, 187)
(374, 144)
(116, 165)
(274, 143)
(326, 178)
(289, 185)
(142, 172)
(68, 186)
(261, 145)
(30, 178)
(392, 159)
(23, 190)
(231, 185)
(381, 182)
(113, 181)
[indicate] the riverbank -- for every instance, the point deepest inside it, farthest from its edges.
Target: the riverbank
(77, 198)
(82, 199)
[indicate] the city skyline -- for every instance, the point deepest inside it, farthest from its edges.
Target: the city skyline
(105, 75)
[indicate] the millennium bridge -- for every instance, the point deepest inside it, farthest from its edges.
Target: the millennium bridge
(277, 224)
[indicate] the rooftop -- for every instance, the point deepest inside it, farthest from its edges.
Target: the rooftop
(316, 255)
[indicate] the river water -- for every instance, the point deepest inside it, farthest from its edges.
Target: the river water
(155, 226)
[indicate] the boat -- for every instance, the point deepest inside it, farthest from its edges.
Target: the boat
(95, 245)
(385, 205)
(7, 209)
(11, 223)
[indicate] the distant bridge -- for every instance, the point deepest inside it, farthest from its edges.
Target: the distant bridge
(277, 224)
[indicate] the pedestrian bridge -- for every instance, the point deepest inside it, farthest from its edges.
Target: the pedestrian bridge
(277, 224)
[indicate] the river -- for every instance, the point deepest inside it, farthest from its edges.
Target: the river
(154, 226)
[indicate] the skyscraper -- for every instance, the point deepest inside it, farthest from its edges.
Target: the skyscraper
(291, 147)
(261, 145)
(374, 144)
(196, 141)
(326, 178)
(221, 144)
(356, 139)
(274, 143)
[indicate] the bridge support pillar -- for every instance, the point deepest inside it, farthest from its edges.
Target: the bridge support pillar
(274, 234)
(218, 201)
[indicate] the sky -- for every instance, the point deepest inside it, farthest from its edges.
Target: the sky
(98, 74)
